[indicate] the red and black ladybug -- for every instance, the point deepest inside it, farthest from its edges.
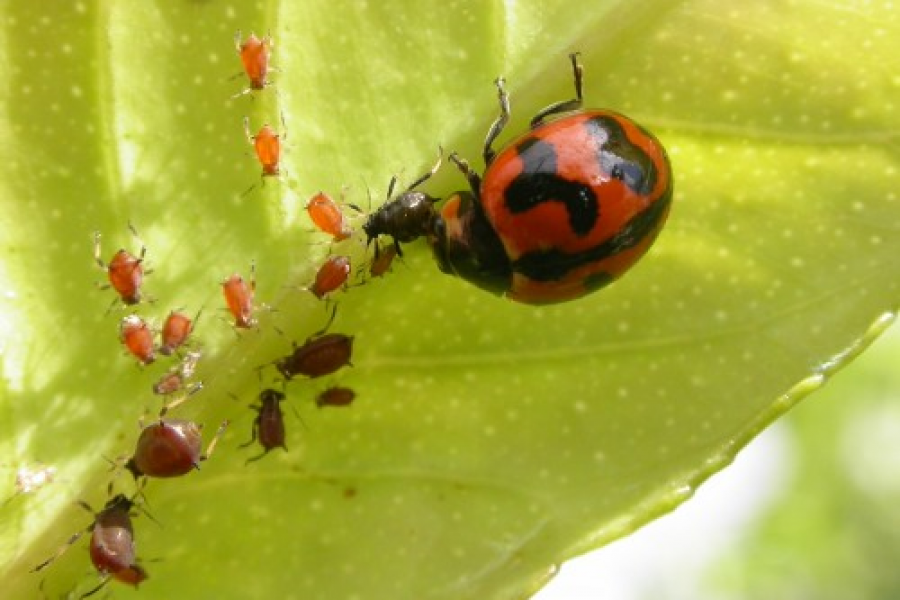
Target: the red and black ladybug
(559, 212)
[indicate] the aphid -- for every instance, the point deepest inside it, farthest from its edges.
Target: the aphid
(170, 448)
(327, 216)
(112, 544)
(333, 274)
(30, 479)
(267, 145)
(239, 298)
(125, 270)
(321, 354)
(137, 337)
(175, 378)
(268, 426)
(175, 332)
(255, 54)
(382, 261)
(408, 216)
(335, 396)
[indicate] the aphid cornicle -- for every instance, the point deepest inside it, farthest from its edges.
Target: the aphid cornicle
(268, 426)
(112, 547)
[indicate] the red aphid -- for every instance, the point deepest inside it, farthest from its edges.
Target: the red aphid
(267, 146)
(175, 332)
(333, 274)
(268, 427)
(170, 448)
(137, 337)
(255, 54)
(327, 216)
(239, 298)
(125, 271)
(336, 396)
(112, 544)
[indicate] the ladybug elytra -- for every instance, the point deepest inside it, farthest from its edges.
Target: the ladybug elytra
(559, 212)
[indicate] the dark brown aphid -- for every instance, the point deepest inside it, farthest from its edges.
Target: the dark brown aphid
(408, 216)
(125, 271)
(333, 274)
(170, 448)
(336, 396)
(112, 544)
(137, 337)
(268, 427)
(384, 257)
(317, 357)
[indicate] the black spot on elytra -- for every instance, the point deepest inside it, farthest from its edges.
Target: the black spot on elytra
(539, 183)
(553, 265)
(620, 158)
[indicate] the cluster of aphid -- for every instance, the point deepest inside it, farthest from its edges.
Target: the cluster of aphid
(171, 447)
(558, 213)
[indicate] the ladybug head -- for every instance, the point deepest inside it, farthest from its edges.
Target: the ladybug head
(465, 245)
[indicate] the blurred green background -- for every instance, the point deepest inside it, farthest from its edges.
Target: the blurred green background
(809, 510)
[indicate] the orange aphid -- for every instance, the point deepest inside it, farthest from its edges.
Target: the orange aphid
(331, 275)
(125, 270)
(175, 332)
(267, 145)
(255, 54)
(327, 216)
(137, 337)
(239, 298)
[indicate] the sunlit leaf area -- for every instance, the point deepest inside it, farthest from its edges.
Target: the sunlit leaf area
(486, 441)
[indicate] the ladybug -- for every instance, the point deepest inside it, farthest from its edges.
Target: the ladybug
(561, 211)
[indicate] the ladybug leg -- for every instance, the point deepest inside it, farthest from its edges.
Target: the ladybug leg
(498, 124)
(565, 105)
(470, 175)
(429, 174)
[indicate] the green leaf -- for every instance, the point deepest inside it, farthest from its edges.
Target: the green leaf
(489, 441)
